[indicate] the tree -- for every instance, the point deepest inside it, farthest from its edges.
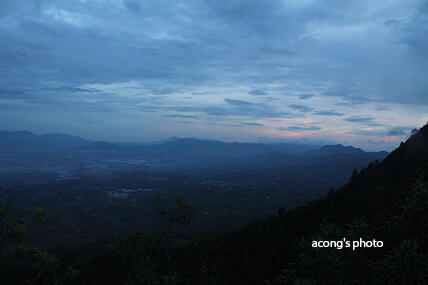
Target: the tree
(144, 256)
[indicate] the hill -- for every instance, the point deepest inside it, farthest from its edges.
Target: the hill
(197, 147)
(27, 141)
(336, 149)
(317, 166)
(386, 201)
(24, 141)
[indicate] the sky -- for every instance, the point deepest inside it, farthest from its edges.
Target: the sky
(351, 72)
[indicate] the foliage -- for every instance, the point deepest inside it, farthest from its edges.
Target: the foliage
(144, 256)
(40, 215)
(403, 260)
(48, 266)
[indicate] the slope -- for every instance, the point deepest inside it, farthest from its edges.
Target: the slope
(386, 201)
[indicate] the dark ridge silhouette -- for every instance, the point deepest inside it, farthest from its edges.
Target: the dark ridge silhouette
(336, 149)
(27, 141)
(376, 195)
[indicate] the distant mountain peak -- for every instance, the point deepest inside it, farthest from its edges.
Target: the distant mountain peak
(341, 147)
(28, 141)
(336, 149)
(23, 132)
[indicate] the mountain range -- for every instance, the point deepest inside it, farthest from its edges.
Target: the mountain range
(27, 141)
(24, 141)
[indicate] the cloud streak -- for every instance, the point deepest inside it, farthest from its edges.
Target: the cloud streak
(299, 128)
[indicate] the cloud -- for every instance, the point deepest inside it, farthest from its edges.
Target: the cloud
(383, 108)
(272, 98)
(230, 109)
(385, 132)
(249, 43)
(257, 92)
(299, 128)
(180, 116)
(327, 113)
(235, 102)
(396, 133)
(164, 91)
(300, 108)
(368, 121)
(399, 131)
(252, 124)
(350, 93)
(377, 133)
(14, 94)
(133, 7)
(250, 109)
(70, 89)
(306, 96)
(357, 119)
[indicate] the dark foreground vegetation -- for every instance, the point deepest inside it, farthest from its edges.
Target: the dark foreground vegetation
(386, 201)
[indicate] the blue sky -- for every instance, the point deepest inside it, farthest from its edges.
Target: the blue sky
(352, 72)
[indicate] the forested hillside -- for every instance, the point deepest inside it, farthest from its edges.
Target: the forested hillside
(387, 201)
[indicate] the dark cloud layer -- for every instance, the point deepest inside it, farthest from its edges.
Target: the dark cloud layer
(327, 113)
(306, 96)
(391, 132)
(359, 119)
(76, 42)
(399, 131)
(182, 116)
(257, 92)
(145, 58)
(300, 108)
(251, 124)
(299, 128)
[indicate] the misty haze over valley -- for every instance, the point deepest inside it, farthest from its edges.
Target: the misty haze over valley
(231, 183)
